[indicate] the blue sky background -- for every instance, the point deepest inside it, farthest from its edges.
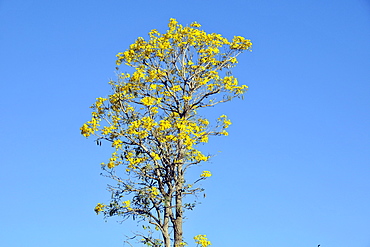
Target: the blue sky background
(294, 171)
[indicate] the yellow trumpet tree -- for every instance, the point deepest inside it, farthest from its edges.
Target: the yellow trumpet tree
(151, 121)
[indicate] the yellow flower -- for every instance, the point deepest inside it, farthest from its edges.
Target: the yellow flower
(127, 204)
(206, 174)
(154, 110)
(233, 60)
(181, 244)
(148, 101)
(111, 164)
(155, 156)
(195, 24)
(204, 138)
(227, 123)
(117, 144)
(224, 132)
(99, 207)
(171, 138)
(154, 191)
(240, 43)
(148, 123)
(86, 130)
(176, 88)
(202, 240)
(187, 98)
(164, 124)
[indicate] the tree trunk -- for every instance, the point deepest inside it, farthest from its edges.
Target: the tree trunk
(179, 210)
(165, 232)
(178, 221)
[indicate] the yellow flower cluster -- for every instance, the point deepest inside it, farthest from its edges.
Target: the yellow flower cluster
(133, 160)
(117, 144)
(198, 156)
(191, 132)
(206, 174)
(202, 240)
(240, 43)
(113, 161)
(90, 127)
(99, 207)
(195, 24)
(164, 124)
(149, 101)
(155, 156)
(226, 122)
(127, 204)
(181, 244)
(153, 191)
(141, 127)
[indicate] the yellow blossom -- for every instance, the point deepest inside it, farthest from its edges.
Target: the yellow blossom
(164, 124)
(86, 130)
(202, 241)
(117, 144)
(99, 207)
(204, 138)
(224, 132)
(148, 101)
(176, 88)
(154, 191)
(195, 24)
(127, 204)
(206, 174)
(187, 98)
(155, 156)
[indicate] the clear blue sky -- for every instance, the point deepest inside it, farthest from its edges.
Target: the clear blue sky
(294, 171)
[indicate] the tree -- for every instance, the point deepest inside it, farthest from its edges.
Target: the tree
(152, 121)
